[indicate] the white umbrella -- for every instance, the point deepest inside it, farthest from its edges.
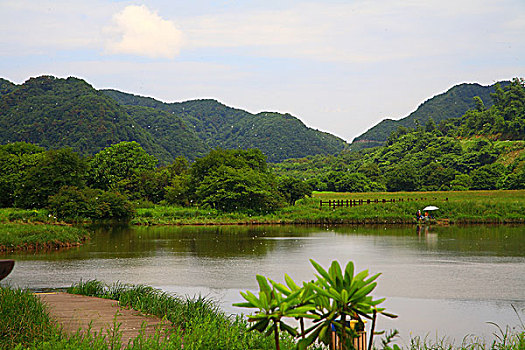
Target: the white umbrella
(430, 207)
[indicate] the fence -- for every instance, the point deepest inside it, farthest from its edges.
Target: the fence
(355, 202)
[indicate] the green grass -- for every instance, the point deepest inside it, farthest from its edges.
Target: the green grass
(23, 319)
(44, 236)
(198, 324)
(198, 321)
(16, 215)
(457, 206)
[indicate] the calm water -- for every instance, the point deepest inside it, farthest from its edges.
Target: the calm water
(444, 281)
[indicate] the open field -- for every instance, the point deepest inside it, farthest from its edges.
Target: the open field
(456, 206)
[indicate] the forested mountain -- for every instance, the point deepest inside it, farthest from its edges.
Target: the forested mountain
(450, 104)
(483, 149)
(56, 113)
(278, 136)
(6, 86)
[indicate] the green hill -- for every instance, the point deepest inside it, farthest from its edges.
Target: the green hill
(6, 86)
(278, 136)
(56, 113)
(450, 104)
(482, 149)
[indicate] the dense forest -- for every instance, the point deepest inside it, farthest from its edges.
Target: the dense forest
(104, 186)
(55, 113)
(451, 104)
(278, 136)
(482, 149)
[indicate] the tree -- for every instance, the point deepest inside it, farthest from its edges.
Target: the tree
(430, 125)
(480, 106)
(293, 189)
(402, 178)
(118, 162)
(352, 182)
(461, 182)
(15, 159)
(234, 180)
(488, 177)
(229, 189)
(57, 168)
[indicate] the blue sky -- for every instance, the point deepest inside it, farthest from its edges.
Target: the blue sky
(339, 66)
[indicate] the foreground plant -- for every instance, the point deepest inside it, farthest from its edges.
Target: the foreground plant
(273, 307)
(330, 300)
(340, 296)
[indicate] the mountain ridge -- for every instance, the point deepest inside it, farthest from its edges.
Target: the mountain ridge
(56, 112)
(452, 103)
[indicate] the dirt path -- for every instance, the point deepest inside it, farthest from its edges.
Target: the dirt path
(76, 312)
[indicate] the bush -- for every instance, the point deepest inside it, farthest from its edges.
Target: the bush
(72, 203)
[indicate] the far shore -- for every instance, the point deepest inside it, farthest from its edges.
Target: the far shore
(22, 229)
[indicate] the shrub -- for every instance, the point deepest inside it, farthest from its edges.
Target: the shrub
(72, 203)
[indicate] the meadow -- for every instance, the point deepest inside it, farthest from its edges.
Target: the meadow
(17, 236)
(460, 207)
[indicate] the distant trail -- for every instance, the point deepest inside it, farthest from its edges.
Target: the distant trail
(75, 312)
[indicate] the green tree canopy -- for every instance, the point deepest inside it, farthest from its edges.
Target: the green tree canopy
(55, 169)
(233, 180)
(118, 162)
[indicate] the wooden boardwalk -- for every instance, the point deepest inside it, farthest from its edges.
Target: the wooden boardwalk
(76, 312)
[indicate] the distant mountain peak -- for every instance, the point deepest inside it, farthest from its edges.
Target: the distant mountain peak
(450, 104)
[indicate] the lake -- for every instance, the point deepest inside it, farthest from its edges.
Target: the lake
(441, 281)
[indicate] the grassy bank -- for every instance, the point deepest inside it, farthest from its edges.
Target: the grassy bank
(16, 236)
(23, 318)
(456, 206)
(197, 324)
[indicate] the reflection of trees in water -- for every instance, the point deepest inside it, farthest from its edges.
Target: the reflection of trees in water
(497, 240)
(229, 241)
(221, 241)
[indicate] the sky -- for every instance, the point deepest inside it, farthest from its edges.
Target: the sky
(338, 66)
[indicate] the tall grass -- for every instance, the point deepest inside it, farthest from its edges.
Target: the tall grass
(23, 236)
(197, 322)
(23, 319)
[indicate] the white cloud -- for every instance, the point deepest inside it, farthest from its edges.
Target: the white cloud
(139, 31)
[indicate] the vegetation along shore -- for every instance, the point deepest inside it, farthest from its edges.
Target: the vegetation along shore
(196, 323)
